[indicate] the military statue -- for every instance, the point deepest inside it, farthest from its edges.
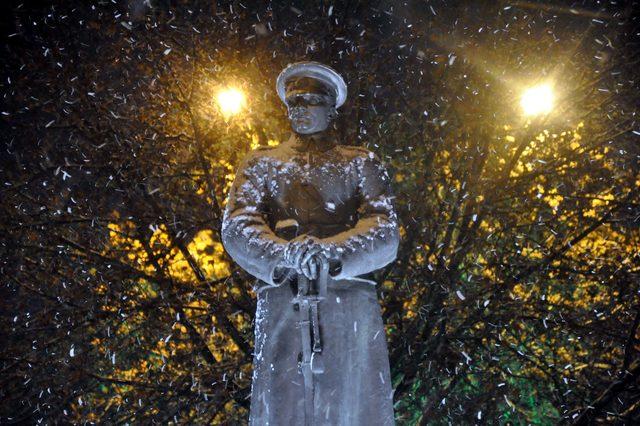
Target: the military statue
(308, 218)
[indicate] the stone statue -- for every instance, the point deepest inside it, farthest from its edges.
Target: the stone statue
(307, 218)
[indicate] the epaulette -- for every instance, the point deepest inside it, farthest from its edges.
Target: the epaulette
(255, 154)
(359, 150)
(260, 151)
(356, 148)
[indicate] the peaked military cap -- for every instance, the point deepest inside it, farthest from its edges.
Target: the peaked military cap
(310, 76)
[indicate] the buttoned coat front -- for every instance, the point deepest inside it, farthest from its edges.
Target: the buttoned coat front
(340, 194)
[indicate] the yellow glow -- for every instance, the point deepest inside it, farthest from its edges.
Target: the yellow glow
(231, 101)
(537, 100)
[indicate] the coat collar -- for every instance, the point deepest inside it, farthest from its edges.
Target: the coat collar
(307, 144)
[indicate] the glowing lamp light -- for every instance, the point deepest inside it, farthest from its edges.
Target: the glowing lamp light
(231, 101)
(537, 100)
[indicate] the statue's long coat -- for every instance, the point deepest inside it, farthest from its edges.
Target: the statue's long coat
(342, 195)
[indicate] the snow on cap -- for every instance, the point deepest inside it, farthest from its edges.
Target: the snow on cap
(311, 69)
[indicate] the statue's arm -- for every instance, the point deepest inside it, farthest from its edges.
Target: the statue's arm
(373, 242)
(246, 234)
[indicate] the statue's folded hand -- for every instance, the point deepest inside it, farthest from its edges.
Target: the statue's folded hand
(299, 253)
(314, 263)
(306, 254)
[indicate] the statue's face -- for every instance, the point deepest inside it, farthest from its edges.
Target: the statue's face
(309, 112)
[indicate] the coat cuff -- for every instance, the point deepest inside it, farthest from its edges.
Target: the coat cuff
(278, 275)
(335, 267)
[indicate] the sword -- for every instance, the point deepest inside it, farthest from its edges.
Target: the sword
(310, 294)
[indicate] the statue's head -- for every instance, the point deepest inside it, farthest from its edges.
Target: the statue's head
(312, 93)
(309, 110)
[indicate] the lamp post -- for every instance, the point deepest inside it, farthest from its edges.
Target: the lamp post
(536, 103)
(537, 100)
(230, 101)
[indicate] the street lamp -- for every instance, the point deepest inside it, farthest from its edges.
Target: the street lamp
(537, 100)
(230, 101)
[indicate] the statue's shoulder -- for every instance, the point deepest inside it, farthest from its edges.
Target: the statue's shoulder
(354, 151)
(262, 153)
